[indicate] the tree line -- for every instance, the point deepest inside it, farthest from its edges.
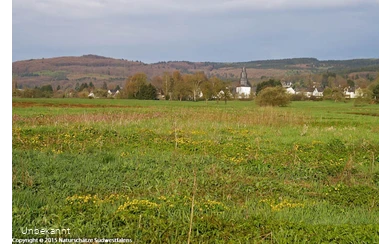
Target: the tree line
(175, 86)
(169, 86)
(197, 86)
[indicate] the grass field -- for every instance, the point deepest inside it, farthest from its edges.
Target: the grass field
(173, 172)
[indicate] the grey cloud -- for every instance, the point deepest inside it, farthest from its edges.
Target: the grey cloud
(98, 8)
(195, 30)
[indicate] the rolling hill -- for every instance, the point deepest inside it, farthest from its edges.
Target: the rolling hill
(67, 71)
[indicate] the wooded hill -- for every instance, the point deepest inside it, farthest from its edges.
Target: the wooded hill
(67, 71)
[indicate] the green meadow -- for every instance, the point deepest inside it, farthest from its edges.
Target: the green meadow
(179, 172)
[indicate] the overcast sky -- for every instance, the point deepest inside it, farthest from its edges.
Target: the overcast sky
(196, 30)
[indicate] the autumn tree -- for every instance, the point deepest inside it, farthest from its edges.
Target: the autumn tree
(211, 87)
(133, 85)
(167, 81)
(336, 94)
(196, 80)
(332, 81)
(362, 83)
(207, 90)
(315, 80)
(273, 96)
(341, 81)
(374, 88)
(364, 97)
(224, 93)
(183, 87)
(14, 86)
(14, 82)
(157, 82)
(327, 79)
(175, 85)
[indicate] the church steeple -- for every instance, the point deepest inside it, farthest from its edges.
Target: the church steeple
(244, 88)
(244, 78)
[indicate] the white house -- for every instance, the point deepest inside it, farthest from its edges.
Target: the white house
(315, 92)
(112, 92)
(349, 92)
(287, 85)
(290, 90)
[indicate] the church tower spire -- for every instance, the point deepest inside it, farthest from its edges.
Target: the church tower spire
(244, 78)
(243, 90)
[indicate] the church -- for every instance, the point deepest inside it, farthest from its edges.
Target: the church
(244, 88)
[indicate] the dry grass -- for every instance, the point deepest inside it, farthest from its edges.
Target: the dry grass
(90, 118)
(266, 116)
